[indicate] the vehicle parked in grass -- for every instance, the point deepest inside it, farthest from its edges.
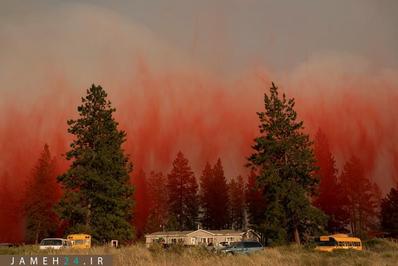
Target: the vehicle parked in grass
(217, 247)
(221, 245)
(242, 247)
(337, 241)
(80, 241)
(54, 243)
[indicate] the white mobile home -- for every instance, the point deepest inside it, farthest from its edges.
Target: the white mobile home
(198, 237)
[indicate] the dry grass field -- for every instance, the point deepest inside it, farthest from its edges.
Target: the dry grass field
(377, 252)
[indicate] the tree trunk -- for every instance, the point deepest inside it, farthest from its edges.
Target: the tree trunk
(37, 237)
(88, 216)
(297, 236)
(37, 234)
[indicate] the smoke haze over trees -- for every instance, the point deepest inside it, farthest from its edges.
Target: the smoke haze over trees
(176, 202)
(194, 84)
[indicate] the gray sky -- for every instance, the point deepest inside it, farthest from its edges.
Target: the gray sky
(278, 33)
(231, 35)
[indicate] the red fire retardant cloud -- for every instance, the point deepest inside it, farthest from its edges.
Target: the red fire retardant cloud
(205, 117)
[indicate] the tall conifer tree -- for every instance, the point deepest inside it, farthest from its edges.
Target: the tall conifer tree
(284, 159)
(362, 198)
(206, 202)
(219, 198)
(236, 189)
(255, 202)
(41, 195)
(183, 199)
(97, 190)
(157, 195)
(330, 198)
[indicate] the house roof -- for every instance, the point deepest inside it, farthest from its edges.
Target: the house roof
(225, 232)
(170, 233)
(185, 233)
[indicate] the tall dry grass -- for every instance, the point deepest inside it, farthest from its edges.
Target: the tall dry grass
(377, 252)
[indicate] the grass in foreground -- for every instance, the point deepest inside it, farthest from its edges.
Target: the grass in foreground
(377, 252)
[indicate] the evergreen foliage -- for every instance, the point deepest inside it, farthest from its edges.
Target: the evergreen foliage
(141, 206)
(331, 198)
(362, 198)
(97, 190)
(214, 198)
(220, 198)
(236, 190)
(255, 202)
(157, 192)
(285, 161)
(205, 197)
(182, 196)
(42, 192)
(389, 213)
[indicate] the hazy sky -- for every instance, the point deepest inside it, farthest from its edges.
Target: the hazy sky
(225, 35)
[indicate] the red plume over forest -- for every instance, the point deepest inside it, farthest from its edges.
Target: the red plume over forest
(200, 100)
(206, 118)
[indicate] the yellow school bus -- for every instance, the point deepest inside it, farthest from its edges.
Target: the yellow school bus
(80, 241)
(337, 241)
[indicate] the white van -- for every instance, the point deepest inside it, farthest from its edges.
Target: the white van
(54, 243)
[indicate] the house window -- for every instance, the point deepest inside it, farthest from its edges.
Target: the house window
(210, 240)
(203, 240)
(174, 241)
(229, 239)
(193, 240)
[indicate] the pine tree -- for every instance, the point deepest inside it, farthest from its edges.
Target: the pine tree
(236, 189)
(182, 191)
(389, 213)
(219, 198)
(157, 194)
(205, 197)
(362, 198)
(331, 198)
(97, 190)
(255, 202)
(41, 195)
(141, 207)
(284, 159)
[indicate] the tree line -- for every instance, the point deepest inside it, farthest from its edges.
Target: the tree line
(180, 201)
(293, 191)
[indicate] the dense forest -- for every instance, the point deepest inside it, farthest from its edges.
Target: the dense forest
(292, 189)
